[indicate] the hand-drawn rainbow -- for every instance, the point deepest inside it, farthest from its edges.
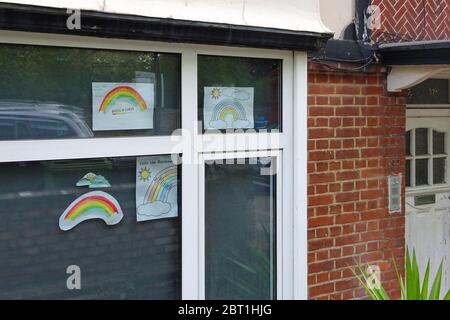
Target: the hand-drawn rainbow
(226, 107)
(122, 92)
(92, 205)
(163, 183)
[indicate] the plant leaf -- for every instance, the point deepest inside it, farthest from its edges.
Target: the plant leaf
(400, 280)
(447, 296)
(436, 288)
(424, 293)
(415, 275)
(376, 292)
(408, 277)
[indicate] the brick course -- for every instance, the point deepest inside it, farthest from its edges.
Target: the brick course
(356, 139)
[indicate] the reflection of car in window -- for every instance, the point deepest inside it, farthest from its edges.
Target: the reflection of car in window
(38, 120)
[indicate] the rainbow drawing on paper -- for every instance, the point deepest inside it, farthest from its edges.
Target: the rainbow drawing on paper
(122, 92)
(122, 106)
(92, 205)
(228, 108)
(162, 185)
(156, 188)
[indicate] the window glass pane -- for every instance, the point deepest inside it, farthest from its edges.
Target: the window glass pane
(56, 92)
(408, 173)
(431, 91)
(438, 142)
(421, 141)
(408, 143)
(43, 231)
(240, 230)
(239, 93)
(421, 172)
(439, 170)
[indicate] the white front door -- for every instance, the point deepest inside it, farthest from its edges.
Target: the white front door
(428, 189)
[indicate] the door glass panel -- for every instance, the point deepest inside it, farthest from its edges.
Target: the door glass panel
(421, 141)
(240, 211)
(439, 170)
(120, 255)
(408, 173)
(438, 142)
(408, 143)
(421, 172)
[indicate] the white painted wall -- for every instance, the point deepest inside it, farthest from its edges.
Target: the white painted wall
(297, 15)
(337, 14)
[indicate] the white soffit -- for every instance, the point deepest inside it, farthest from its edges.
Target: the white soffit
(293, 15)
(404, 77)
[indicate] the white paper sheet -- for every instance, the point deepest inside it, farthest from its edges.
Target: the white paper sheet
(156, 188)
(122, 106)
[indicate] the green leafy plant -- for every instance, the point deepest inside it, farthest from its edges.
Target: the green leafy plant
(410, 287)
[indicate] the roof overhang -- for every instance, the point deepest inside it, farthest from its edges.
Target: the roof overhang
(288, 24)
(414, 62)
(415, 53)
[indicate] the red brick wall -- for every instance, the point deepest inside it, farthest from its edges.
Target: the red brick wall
(356, 139)
(407, 20)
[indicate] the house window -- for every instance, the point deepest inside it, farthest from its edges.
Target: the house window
(107, 168)
(119, 258)
(251, 88)
(61, 93)
(426, 157)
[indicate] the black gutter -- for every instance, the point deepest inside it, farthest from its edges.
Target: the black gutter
(415, 53)
(99, 24)
(348, 51)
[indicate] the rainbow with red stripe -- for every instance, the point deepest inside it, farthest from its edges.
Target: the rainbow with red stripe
(122, 92)
(92, 205)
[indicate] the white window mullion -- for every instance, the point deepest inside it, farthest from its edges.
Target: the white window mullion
(190, 180)
(413, 158)
(430, 160)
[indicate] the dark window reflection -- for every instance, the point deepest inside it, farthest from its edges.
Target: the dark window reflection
(438, 142)
(408, 143)
(240, 231)
(408, 173)
(421, 141)
(421, 172)
(439, 170)
(129, 260)
(46, 92)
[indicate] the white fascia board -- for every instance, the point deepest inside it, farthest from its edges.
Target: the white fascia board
(293, 15)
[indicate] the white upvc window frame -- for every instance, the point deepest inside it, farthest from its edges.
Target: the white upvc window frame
(292, 277)
(283, 222)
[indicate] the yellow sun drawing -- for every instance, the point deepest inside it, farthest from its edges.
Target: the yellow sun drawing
(215, 93)
(90, 176)
(144, 174)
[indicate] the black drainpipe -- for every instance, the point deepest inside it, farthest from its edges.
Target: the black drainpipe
(362, 32)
